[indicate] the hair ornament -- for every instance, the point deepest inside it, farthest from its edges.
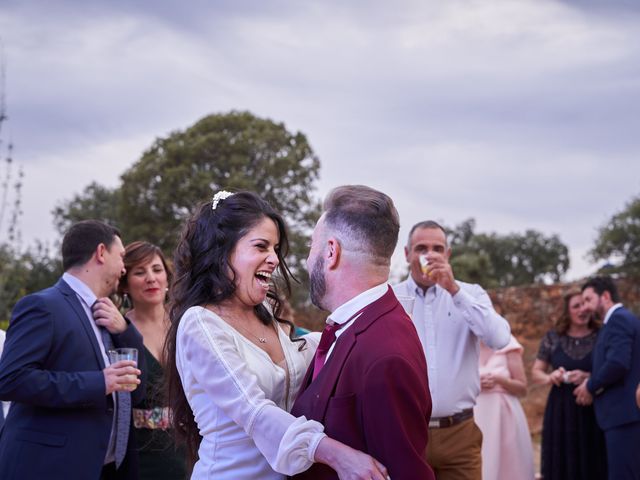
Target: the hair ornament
(218, 197)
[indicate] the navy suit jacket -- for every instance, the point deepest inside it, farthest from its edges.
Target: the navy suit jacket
(616, 370)
(60, 420)
(373, 393)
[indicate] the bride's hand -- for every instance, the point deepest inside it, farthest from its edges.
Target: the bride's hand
(349, 464)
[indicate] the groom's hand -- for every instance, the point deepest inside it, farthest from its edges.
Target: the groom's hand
(349, 464)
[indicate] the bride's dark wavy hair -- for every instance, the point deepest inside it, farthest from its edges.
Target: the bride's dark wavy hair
(203, 275)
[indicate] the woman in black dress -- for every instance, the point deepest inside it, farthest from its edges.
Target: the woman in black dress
(573, 445)
(145, 285)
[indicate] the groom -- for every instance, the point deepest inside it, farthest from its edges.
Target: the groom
(368, 382)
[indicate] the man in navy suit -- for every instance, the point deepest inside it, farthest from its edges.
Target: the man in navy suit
(54, 369)
(614, 378)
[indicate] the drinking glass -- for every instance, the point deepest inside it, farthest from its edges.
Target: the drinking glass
(118, 354)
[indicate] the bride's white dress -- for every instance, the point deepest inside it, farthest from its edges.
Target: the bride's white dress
(240, 400)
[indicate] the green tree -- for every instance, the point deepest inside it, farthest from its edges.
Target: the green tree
(24, 273)
(474, 267)
(95, 202)
(234, 151)
(619, 239)
(494, 260)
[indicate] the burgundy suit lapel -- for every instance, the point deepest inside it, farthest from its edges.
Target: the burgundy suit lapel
(324, 379)
(307, 379)
(325, 382)
(324, 385)
(374, 310)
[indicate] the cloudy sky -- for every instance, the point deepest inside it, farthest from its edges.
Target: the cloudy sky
(519, 113)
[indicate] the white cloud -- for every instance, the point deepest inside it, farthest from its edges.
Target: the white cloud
(522, 114)
(60, 177)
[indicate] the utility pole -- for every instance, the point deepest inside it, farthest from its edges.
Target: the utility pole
(14, 234)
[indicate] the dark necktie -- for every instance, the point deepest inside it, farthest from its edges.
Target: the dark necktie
(326, 340)
(123, 409)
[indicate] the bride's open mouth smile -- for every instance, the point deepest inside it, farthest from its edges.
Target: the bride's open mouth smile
(263, 278)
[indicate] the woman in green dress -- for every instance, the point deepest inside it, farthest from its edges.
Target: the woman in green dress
(145, 288)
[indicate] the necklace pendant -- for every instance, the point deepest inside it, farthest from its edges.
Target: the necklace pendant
(262, 340)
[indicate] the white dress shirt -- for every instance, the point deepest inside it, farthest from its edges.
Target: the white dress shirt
(346, 313)
(5, 405)
(87, 299)
(449, 329)
(610, 312)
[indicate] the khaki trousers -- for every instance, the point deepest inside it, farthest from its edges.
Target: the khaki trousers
(454, 453)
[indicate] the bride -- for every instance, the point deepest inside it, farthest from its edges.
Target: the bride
(234, 366)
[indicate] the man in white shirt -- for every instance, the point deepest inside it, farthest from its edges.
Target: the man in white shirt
(451, 317)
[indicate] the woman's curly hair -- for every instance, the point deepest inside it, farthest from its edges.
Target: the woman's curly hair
(203, 275)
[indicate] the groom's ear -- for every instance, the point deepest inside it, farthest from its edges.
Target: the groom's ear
(334, 250)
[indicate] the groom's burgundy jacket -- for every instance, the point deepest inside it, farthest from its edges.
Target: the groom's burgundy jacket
(373, 393)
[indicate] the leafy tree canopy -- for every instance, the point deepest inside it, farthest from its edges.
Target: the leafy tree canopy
(494, 260)
(24, 273)
(95, 201)
(619, 239)
(220, 152)
(234, 151)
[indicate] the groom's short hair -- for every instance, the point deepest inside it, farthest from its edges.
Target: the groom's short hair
(82, 239)
(364, 220)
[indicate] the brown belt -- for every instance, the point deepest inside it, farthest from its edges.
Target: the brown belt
(450, 421)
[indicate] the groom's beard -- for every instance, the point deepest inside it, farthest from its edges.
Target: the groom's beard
(317, 283)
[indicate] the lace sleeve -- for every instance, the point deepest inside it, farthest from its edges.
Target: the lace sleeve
(547, 345)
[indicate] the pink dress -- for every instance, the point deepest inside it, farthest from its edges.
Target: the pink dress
(506, 444)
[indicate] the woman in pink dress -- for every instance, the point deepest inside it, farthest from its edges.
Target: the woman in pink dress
(506, 442)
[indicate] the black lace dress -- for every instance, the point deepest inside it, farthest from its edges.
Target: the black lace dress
(573, 445)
